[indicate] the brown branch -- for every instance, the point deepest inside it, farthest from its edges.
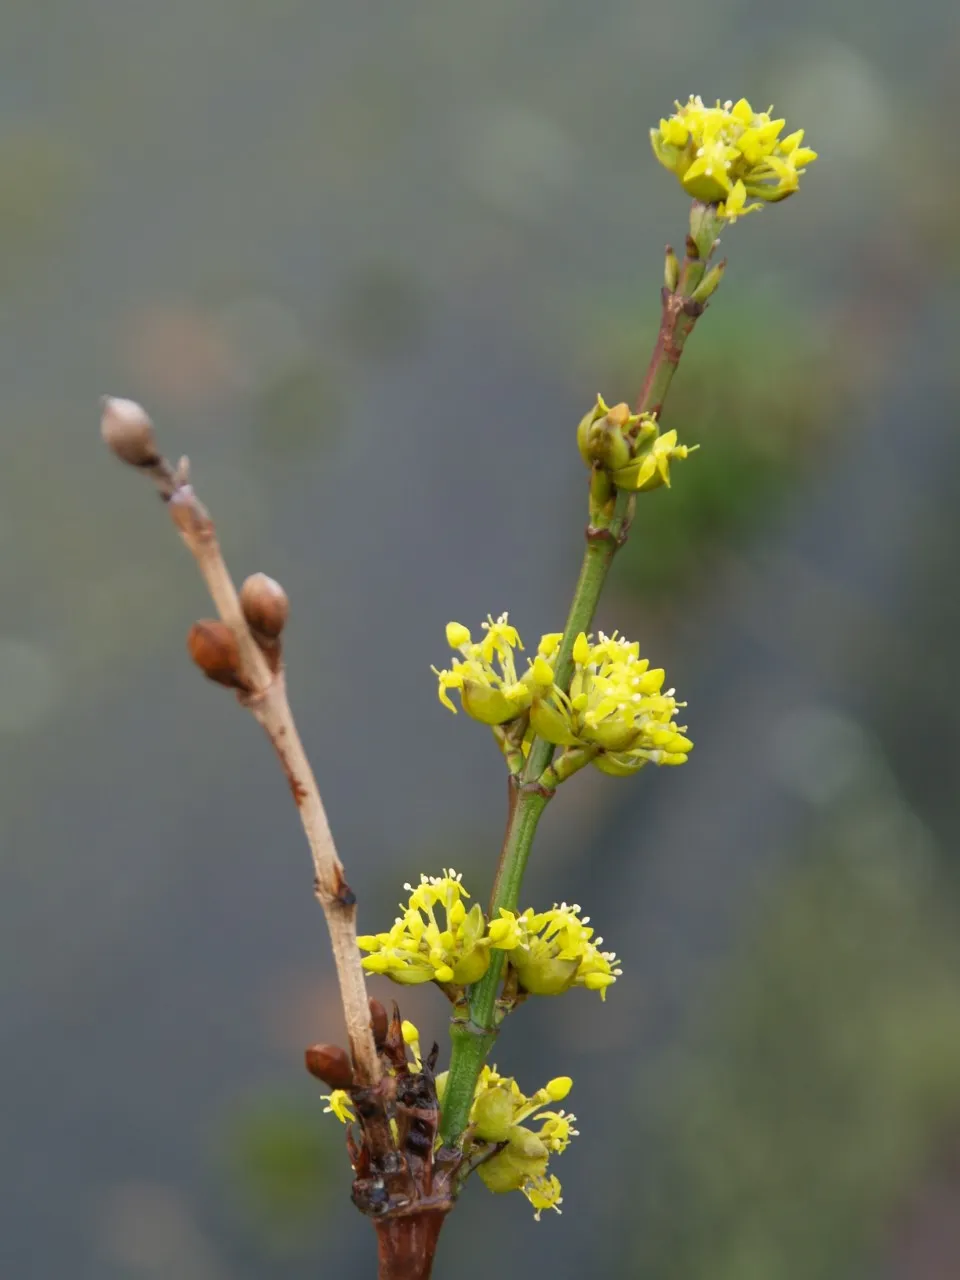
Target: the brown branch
(259, 680)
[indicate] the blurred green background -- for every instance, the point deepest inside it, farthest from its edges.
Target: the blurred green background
(368, 264)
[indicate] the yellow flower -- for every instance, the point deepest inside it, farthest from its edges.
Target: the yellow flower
(725, 154)
(339, 1103)
(651, 467)
(499, 1111)
(486, 675)
(615, 708)
(552, 951)
(422, 948)
(544, 1193)
(628, 446)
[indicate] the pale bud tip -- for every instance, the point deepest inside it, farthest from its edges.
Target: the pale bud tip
(127, 430)
(265, 605)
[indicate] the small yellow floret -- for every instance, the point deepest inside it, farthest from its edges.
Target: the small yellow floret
(728, 153)
(486, 675)
(552, 951)
(615, 708)
(340, 1105)
(424, 947)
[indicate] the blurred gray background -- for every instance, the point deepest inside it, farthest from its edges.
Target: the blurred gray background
(368, 264)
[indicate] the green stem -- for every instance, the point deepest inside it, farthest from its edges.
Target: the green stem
(679, 312)
(473, 1036)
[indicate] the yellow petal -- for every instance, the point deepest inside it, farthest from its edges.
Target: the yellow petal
(542, 672)
(743, 112)
(581, 650)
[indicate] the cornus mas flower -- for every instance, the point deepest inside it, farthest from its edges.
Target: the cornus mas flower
(486, 675)
(552, 951)
(652, 469)
(726, 154)
(339, 1104)
(629, 446)
(423, 946)
(527, 1135)
(615, 707)
(615, 714)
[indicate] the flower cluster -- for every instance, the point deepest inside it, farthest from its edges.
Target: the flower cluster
(616, 714)
(486, 675)
(422, 948)
(629, 447)
(549, 951)
(552, 951)
(517, 1153)
(726, 154)
(615, 707)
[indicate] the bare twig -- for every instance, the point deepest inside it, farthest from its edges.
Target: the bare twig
(262, 690)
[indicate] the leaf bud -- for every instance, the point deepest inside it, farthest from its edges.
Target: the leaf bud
(265, 605)
(213, 647)
(128, 432)
(708, 285)
(329, 1063)
(379, 1022)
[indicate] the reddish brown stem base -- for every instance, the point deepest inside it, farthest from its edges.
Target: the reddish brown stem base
(406, 1244)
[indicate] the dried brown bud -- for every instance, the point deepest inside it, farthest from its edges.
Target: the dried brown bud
(379, 1022)
(265, 605)
(213, 647)
(329, 1063)
(128, 431)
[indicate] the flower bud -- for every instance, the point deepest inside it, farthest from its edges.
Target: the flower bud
(329, 1063)
(559, 1087)
(265, 605)
(213, 647)
(457, 634)
(128, 432)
